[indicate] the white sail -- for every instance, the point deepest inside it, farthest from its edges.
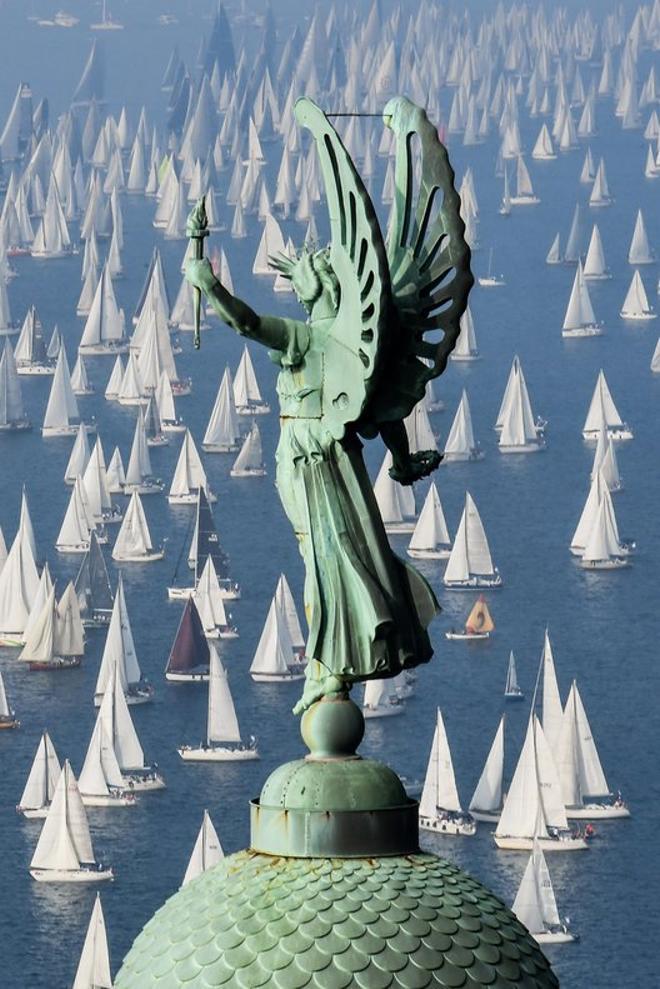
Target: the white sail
(42, 595)
(594, 263)
(535, 905)
(518, 427)
(470, 555)
(640, 251)
(133, 539)
(488, 792)
(62, 406)
(250, 459)
(105, 325)
(288, 610)
(554, 254)
(580, 771)
(115, 716)
(101, 773)
(78, 457)
(246, 388)
(466, 345)
(19, 581)
(42, 779)
(274, 652)
(139, 463)
(119, 650)
(270, 245)
(12, 413)
(223, 431)
(93, 970)
(636, 303)
(602, 408)
(461, 444)
(526, 813)
(40, 641)
(511, 686)
(68, 637)
(552, 715)
(64, 842)
(114, 381)
(76, 525)
(222, 723)
(395, 502)
(95, 483)
(189, 474)
(431, 532)
(439, 791)
(208, 599)
(206, 853)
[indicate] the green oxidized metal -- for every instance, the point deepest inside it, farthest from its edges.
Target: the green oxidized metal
(339, 916)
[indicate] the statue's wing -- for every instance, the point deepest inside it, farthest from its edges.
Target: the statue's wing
(429, 259)
(352, 353)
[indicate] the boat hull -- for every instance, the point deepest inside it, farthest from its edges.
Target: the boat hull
(144, 784)
(187, 677)
(33, 813)
(179, 593)
(600, 812)
(216, 754)
(583, 331)
(523, 448)
(556, 937)
(189, 499)
(466, 636)
(277, 677)
(617, 563)
(261, 472)
(429, 554)
(473, 584)
(463, 458)
(108, 800)
(448, 825)
(487, 816)
(143, 489)
(220, 447)
(71, 875)
(390, 711)
(616, 435)
(7, 723)
(510, 844)
(36, 370)
(638, 317)
(399, 527)
(47, 666)
(144, 558)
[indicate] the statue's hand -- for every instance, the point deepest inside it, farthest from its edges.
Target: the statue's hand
(418, 465)
(200, 274)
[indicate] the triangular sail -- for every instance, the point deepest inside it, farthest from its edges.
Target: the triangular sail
(488, 792)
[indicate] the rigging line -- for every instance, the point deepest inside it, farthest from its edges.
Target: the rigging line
(332, 114)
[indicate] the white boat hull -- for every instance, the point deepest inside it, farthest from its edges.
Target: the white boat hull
(143, 558)
(399, 527)
(616, 435)
(429, 554)
(102, 349)
(216, 754)
(638, 316)
(51, 431)
(461, 458)
(523, 447)
(487, 816)
(448, 825)
(473, 584)
(108, 800)
(491, 282)
(179, 593)
(34, 813)
(583, 331)
(41, 370)
(466, 636)
(143, 489)
(187, 677)
(71, 875)
(261, 472)
(220, 447)
(389, 711)
(509, 844)
(144, 784)
(189, 499)
(616, 563)
(600, 812)
(277, 677)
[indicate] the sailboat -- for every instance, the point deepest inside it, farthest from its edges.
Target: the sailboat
(594, 263)
(605, 461)
(580, 319)
(478, 624)
(554, 255)
(119, 655)
(275, 659)
(636, 303)
(603, 411)
(139, 477)
(505, 204)
(118, 725)
(101, 783)
(92, 586)
(519, 433)
(640, 251)
(461, 444)
(250, 459)
(55, 641)
(61, 417)
(30, 353)
(223, 431)
(382, 699)
(535, 905)
(206, 852)
(133, 543)
(533, 807)
(512, 691)
(107, 22)
(247, 395)
(525, 195)
(583, 784)
(466, 349)
(164, 396)
(80, 379)
(470, 565)
(93, 970)
(430, 539)
(7, 717)
(395, 502)
(77, 525)
(600, 192)
(12, 412)
(510, 391)
(189, 475)
(205, 542)
(41, 782)
(189, 657)
(486, 803)
(64, 852)
(490, 279)
(19, 584)
(288, 610)
(223, 736)
(608, 529)
(210, 605)
(440, 809)
(105, 327)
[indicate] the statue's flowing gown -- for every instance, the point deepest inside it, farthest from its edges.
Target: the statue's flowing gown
(368, 610)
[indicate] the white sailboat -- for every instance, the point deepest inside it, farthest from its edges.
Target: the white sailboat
(275, 659)
(101, 783)
(600, 192)
(395, 502)
(7, 717)
(512, 691)
(594, 263)
(56, 640)
(382, 699)
(99, 505)
(250, 459)
(533, 807)
(19, 584)
(430, 539)
(189, 475)
(115, 473)
(105, 327)
(554, 255)
(640, 251)
(64, 852)
(466, 348)
(61, 417)
(461, 444)
(223, 736)
(139, 477)
(603, 411)
(470, 565)
(544, 149)
(603, 549)
(440, 809)
(490, 279)
(583, 784)
(12, 412)
(133, 543)
(223, 432)
(210, 604)
(519, 432)
(287, 607)
(486, 803)
(93, 970)
(113, 386)
(636, 303)
(510, 392)
(118, 725)
(80, 379)
(44, 773)
(30, 353)
(247, 395)
(524, 195)
(206, 852)
(77, 525)
(605, 461)
(580, 319)
(120, 656)
(535, 905)
(164, 395)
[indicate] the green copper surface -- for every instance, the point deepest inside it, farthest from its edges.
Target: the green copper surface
(410, 921)
(381, 322)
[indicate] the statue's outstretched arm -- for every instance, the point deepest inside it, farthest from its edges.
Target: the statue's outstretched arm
(269, 330)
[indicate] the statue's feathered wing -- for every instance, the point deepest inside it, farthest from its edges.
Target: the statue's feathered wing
(354, 347)
(377, 360)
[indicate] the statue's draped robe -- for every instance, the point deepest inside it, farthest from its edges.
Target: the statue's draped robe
(368, 610)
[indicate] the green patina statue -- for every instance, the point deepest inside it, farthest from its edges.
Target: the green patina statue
(382, 321)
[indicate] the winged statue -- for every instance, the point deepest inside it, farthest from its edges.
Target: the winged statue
(382, 318)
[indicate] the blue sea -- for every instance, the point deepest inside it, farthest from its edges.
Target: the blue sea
(605, 628)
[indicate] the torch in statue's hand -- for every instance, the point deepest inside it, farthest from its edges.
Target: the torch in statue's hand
(197, 229)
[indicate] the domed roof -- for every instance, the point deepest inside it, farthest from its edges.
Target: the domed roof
(288, 923)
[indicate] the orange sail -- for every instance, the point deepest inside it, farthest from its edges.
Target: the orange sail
(479, 619)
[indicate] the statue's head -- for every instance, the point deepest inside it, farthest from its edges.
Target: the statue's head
(311, 275)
